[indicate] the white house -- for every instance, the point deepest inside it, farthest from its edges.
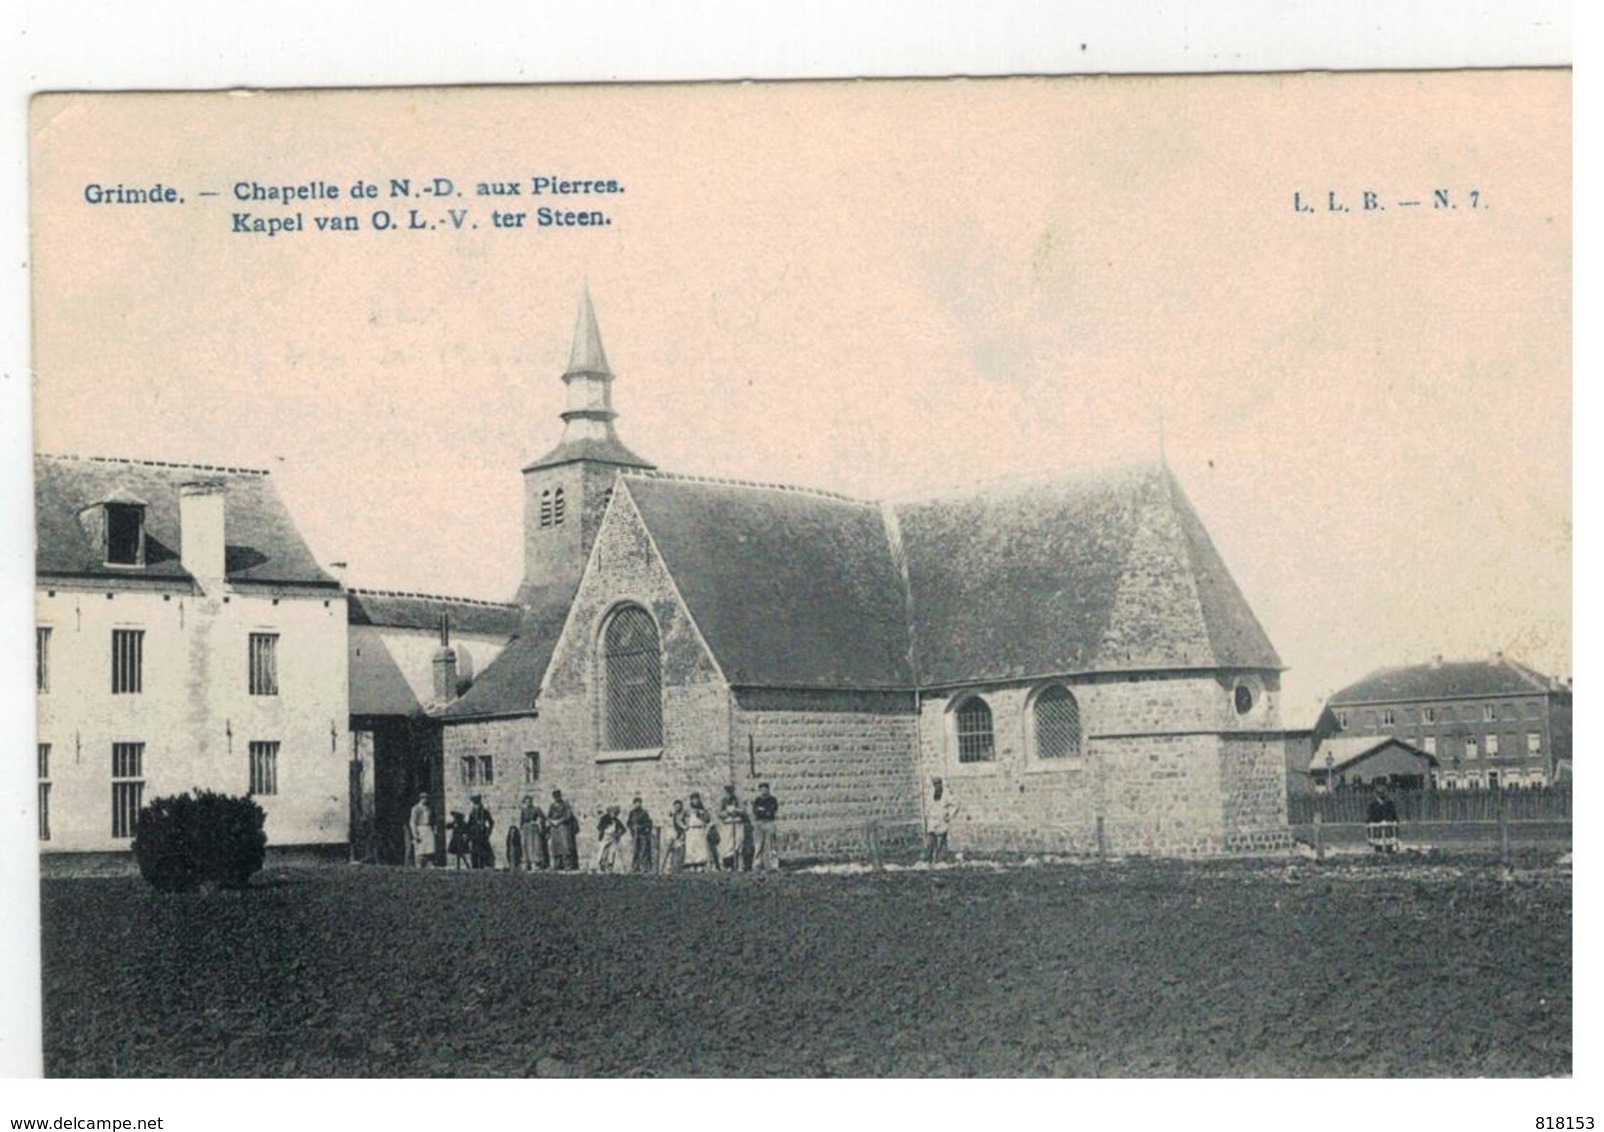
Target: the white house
(186, 638)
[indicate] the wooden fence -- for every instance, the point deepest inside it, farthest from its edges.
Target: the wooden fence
(1540, 803)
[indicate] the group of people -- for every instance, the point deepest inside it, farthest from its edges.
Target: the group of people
(734, 837)
(731, 837)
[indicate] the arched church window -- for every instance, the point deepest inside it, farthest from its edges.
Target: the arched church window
(1058, 734)
(976, 743)
(632, 679)
(557, 508)
(545, 508)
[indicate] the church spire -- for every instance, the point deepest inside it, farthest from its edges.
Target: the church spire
(588, 416)
(587, 355)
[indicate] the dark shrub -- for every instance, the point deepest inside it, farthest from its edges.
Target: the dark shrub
(189, 839)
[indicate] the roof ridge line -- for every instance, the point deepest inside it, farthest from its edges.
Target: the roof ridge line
(1024, 481)
(728, 481)
(134, 461)
(431, 597)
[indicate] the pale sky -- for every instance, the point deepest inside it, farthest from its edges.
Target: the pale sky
(877, 289)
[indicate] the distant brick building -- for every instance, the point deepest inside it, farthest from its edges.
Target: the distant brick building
(186, 637)
(1073, 657)
(1486, 723)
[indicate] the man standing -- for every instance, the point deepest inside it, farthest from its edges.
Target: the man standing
(939, 813)
(732, 829)
(640, 830)
(420, 833)
(480, 826)
(765, 850)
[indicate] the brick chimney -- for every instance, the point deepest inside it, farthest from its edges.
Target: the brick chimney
(202, 527)
(445, 664)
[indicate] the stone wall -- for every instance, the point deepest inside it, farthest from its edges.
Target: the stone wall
(1253, 777)
(697, 754)
(836, 761)
(1152, 766)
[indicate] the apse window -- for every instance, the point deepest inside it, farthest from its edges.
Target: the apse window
(1058, 732)
(976, 743)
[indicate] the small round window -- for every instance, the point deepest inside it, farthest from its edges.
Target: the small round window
(1244, 698)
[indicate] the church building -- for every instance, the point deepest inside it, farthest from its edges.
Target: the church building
(1072, 657)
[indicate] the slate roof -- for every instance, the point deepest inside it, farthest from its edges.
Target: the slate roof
(1101, 571)
(263, 545)
(790, 588)
(1104, 571)
(605, 450)
(377, 685)
(1445, 680)
(1349, 749)
(397, 609)
(510, 684)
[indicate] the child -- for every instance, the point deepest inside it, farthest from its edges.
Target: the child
(458, 844)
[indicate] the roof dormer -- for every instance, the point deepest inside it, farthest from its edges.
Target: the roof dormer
(116, 526)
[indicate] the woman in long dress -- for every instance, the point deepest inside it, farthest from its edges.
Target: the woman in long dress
(697, 853)
(609, 831)
(564, 825)
(537, 850)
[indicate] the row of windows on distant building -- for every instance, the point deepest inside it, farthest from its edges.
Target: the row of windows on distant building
(1428, 714)
(1490, 744)
(128, 662)
(128, 782)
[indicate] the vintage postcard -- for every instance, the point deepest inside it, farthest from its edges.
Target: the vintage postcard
(999, 577)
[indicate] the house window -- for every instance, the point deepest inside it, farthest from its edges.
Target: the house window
(531, 767)
(558, 507)
(127, 787)
(1387, 718)
(477, 770)
(975, 741)
(1470, 746)
(264, 767)
(1492, 746)
(1534, 743)
(1488, 713)
(125, 534)
(264, 664)
(632, 682)
(1057, 724)
(44, 791)
(41, 659)
(1430, 742)
(1342, 721)
(127, 661)
(1428, 714)
(1492, 780)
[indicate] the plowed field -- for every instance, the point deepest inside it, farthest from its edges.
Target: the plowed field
(1359, 968)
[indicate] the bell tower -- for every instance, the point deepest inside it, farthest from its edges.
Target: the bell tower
(567, 489)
